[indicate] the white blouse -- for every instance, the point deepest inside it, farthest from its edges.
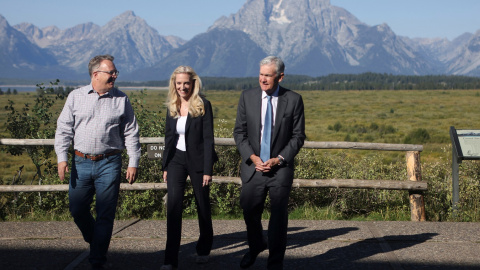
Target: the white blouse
(181, 124)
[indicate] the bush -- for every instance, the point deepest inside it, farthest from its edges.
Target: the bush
(418, 136)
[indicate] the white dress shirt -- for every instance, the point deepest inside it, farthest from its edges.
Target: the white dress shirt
(264, 109)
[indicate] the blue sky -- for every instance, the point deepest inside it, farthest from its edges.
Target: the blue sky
(418, 18)
(187, 18)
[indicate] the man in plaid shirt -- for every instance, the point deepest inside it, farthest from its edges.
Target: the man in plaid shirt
(99, 122)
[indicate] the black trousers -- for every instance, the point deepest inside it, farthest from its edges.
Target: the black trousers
(277, 185)
(177, 172)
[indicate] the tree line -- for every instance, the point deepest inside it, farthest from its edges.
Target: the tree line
(8, 92)
(364, 81)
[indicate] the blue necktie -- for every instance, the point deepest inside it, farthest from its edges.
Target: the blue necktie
(267, 132)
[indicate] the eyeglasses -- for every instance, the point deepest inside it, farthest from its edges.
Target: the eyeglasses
(113, 72)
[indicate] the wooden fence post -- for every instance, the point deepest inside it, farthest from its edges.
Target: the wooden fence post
(414, 173)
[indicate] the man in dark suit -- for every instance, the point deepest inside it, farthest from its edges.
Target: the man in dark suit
(271, 116)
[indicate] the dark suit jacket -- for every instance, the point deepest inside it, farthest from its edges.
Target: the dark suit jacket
(288, 134)
(199, 141)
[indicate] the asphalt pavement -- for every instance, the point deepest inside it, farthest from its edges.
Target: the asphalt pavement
(311, 244)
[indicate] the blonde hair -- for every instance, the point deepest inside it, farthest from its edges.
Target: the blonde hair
(196, 107)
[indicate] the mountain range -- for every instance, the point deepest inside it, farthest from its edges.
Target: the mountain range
(313, 38)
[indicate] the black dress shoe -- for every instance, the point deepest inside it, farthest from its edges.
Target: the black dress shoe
(249, 258)
(97, 266)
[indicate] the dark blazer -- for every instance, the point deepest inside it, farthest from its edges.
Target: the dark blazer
(288, 134)
(199, 140)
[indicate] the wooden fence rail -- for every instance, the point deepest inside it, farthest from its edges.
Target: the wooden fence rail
(413, 183)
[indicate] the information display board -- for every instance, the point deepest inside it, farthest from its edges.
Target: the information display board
(466, 143)
(465, 146)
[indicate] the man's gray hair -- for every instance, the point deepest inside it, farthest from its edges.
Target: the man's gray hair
(277, 61)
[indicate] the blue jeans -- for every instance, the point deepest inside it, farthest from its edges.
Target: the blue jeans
(103, 178)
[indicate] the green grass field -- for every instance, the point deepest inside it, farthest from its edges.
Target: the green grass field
(375, 116)
(362, 116)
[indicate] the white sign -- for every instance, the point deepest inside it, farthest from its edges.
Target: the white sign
(469, 142)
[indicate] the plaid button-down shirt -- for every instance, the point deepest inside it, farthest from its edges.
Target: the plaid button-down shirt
(97, 125)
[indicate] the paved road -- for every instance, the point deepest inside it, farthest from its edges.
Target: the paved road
(139, 244)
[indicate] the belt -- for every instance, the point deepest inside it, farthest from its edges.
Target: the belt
(97, 157)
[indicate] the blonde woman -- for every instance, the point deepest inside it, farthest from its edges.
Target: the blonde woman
(189, 151)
